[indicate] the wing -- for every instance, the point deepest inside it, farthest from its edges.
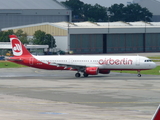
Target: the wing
(10, 59)
(73, 66)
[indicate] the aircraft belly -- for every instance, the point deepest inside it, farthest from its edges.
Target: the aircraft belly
(117, 67)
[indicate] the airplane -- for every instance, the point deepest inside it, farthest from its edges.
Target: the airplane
(87, 64)
(156, 116)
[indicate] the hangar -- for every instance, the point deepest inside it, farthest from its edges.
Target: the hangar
(95, 38)
(24, 12)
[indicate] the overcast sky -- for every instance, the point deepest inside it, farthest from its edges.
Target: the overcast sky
(105, 3)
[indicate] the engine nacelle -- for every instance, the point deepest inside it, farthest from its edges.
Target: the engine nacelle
(103, 71)
(92, 70)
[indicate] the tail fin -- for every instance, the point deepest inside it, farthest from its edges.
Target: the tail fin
(17, 47)
(157, 114)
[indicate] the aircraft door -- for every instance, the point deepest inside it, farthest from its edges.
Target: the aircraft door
(137, 60)
(70, 60)
(31, 60)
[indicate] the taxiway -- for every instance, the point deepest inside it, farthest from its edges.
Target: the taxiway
(34, 94)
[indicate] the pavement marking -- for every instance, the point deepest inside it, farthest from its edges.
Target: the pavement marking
(53, 113)
(158, 89)
(33, 102)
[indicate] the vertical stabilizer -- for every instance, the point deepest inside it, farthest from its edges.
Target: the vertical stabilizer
(17, 47)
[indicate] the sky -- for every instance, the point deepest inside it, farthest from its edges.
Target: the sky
(105, 3)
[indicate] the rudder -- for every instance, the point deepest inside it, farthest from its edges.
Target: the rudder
(17, 47)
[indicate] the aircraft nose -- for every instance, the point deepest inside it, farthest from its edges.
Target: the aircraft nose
(154, 65)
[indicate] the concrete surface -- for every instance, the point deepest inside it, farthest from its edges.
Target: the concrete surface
(33, 94)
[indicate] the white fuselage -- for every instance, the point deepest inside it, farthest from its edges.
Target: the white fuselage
(102, 62)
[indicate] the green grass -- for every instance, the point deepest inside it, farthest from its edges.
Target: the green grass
(155, 59)
(155, 71)
(6, 64)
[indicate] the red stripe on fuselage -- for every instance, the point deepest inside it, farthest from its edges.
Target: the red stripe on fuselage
(32, 62)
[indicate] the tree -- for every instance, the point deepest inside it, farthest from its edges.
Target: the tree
(95, 13)
(86, 12)
(22, 36)
(137, 13)
(41, 38)
(49, 40)
(129, 13)
(76, 6)
(117, 12)
(38, 37)
(4, 35)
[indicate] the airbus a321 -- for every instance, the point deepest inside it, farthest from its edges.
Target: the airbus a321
(88, 64)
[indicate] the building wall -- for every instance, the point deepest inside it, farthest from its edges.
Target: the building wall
(115, 43)
(152, 42)
(86, 43)
(55, 31)
(124, 43)
(62, 43)
(18, 20)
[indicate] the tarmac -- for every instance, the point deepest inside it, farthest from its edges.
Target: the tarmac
(34, 94)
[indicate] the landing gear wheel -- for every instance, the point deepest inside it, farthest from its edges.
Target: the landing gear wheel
(85, 75)
(78, 75)
(139, 75)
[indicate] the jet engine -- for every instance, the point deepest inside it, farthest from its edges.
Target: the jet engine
(92, 70)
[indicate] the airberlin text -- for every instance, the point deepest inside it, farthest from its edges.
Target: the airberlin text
(110, 61)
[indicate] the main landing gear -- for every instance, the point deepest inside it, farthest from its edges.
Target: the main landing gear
(79, 75)
(139, 74)
(85, 74)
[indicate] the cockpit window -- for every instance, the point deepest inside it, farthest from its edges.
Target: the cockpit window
(148, 61)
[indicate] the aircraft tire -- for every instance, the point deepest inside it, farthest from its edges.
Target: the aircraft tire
(85, 75)
(139, 75)
(77, 75)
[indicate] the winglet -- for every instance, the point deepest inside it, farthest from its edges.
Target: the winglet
(157, 114)
(17, 47)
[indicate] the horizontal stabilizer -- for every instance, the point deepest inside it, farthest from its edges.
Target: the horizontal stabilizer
(18, 60)
(157, 114)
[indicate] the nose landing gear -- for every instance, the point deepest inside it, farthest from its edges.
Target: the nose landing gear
(139, 74)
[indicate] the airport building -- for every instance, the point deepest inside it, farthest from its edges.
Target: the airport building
(97, 38)
(24, 12)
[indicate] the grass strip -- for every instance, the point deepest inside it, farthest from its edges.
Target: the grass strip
(7, 64)
(155, 71)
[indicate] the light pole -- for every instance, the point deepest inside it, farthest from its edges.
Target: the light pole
(51, 49)
(68, 38)
(108, 22)
(145, 24)
(51, 41)
(144, 41)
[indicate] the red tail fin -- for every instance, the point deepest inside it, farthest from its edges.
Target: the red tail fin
(157, 114)
(17, 47)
